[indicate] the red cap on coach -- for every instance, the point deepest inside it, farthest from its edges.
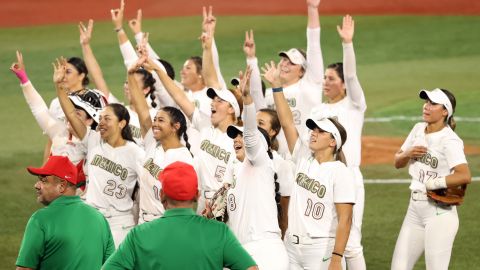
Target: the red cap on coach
(179, 181)
(59, 166)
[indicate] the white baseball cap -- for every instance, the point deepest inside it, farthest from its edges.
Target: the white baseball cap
(295, 57)
(233, 131)
(227, 96)
(439, 97)
(326, 125)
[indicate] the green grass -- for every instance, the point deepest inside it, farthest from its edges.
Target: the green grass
(396, 57)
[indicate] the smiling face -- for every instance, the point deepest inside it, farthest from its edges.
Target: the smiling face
(221, 111)
(48, 189)
(433, 112)
(73, 80)
(333, 86)
(289, 72)
(109, 125)
(163, 127)
(190, 75)
(264, 120)
(239, 147)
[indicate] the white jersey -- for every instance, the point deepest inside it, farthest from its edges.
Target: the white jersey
(156, 159)
(211, 159)
(251, 207)
(349, 111)
(317, 187)
(444, 152)
(284, 169)
(63, 143)
(112, 172)
(134, 124)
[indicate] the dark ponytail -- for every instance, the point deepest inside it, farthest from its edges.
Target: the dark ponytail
(148, 81)
(176, 116)
(450, 121)
(122, 114)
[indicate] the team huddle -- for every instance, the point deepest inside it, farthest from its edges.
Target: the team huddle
(280, 166)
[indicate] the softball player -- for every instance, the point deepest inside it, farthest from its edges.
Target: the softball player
(113, 160)
(346, 102)
(435, 158)
(252, 184)
(163, 146)
(323, 195)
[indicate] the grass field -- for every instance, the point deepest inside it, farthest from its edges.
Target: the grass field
(396, 57)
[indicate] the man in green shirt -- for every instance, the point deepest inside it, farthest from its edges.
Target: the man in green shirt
(180, 239)
(67, 233)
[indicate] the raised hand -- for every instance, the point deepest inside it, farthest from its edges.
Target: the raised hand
(271, 73)
(206, 39)
(59, 70)
(136, 24)
(18, 68)
(249, 44)
(244, 85)
(416, 152)
(209, 21)
(347, 30)
(143, 60)
(117, 15)
(85, 32)
(313, 3)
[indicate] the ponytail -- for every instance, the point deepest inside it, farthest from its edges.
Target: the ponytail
(176, 116)
(450, 121)
(187, 144)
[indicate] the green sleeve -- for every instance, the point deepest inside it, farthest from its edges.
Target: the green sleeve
(33, 245)
(235, 256)
(110, 245)
(124, 257)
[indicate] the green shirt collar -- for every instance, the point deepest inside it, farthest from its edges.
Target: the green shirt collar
(65, 200)
(179, 212)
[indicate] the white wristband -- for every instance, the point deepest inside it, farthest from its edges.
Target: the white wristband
(436, 183)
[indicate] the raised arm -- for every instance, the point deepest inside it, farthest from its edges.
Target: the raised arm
(255, 79)
(59, 67)
(208, 68)
(126, 48)
(137, 97)
(354, 89)
(315, 68)
(209, 24)
(272, 75)
(136, 27)
(90, 60)
(34, 100)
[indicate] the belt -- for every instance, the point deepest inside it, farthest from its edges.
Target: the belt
(305, 240)
(419, 196)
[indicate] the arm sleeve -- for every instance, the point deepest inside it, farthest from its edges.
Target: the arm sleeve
(255, 150)
(124, 257)
(128, 53)
(300, 151)
(343, 185)
(32, 247)
(216, 64)
(354, 89)
(40, 110)
(151, 52)
(315, 69)
(235, 257)
(256, 85)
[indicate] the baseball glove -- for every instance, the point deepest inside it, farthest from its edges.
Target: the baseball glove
(218, 204)
(448, 196)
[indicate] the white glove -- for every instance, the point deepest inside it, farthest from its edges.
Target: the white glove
(436, 183)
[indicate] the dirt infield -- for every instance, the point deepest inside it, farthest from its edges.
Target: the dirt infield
(380, 150)
(28, 12)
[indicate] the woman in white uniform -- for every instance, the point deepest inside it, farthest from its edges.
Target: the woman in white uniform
(320, 211)
(251, 201)
(163, 146)
(436, 160)
(113, 160)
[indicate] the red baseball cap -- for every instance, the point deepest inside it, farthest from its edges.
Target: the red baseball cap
(179, 181)
(59, 166)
